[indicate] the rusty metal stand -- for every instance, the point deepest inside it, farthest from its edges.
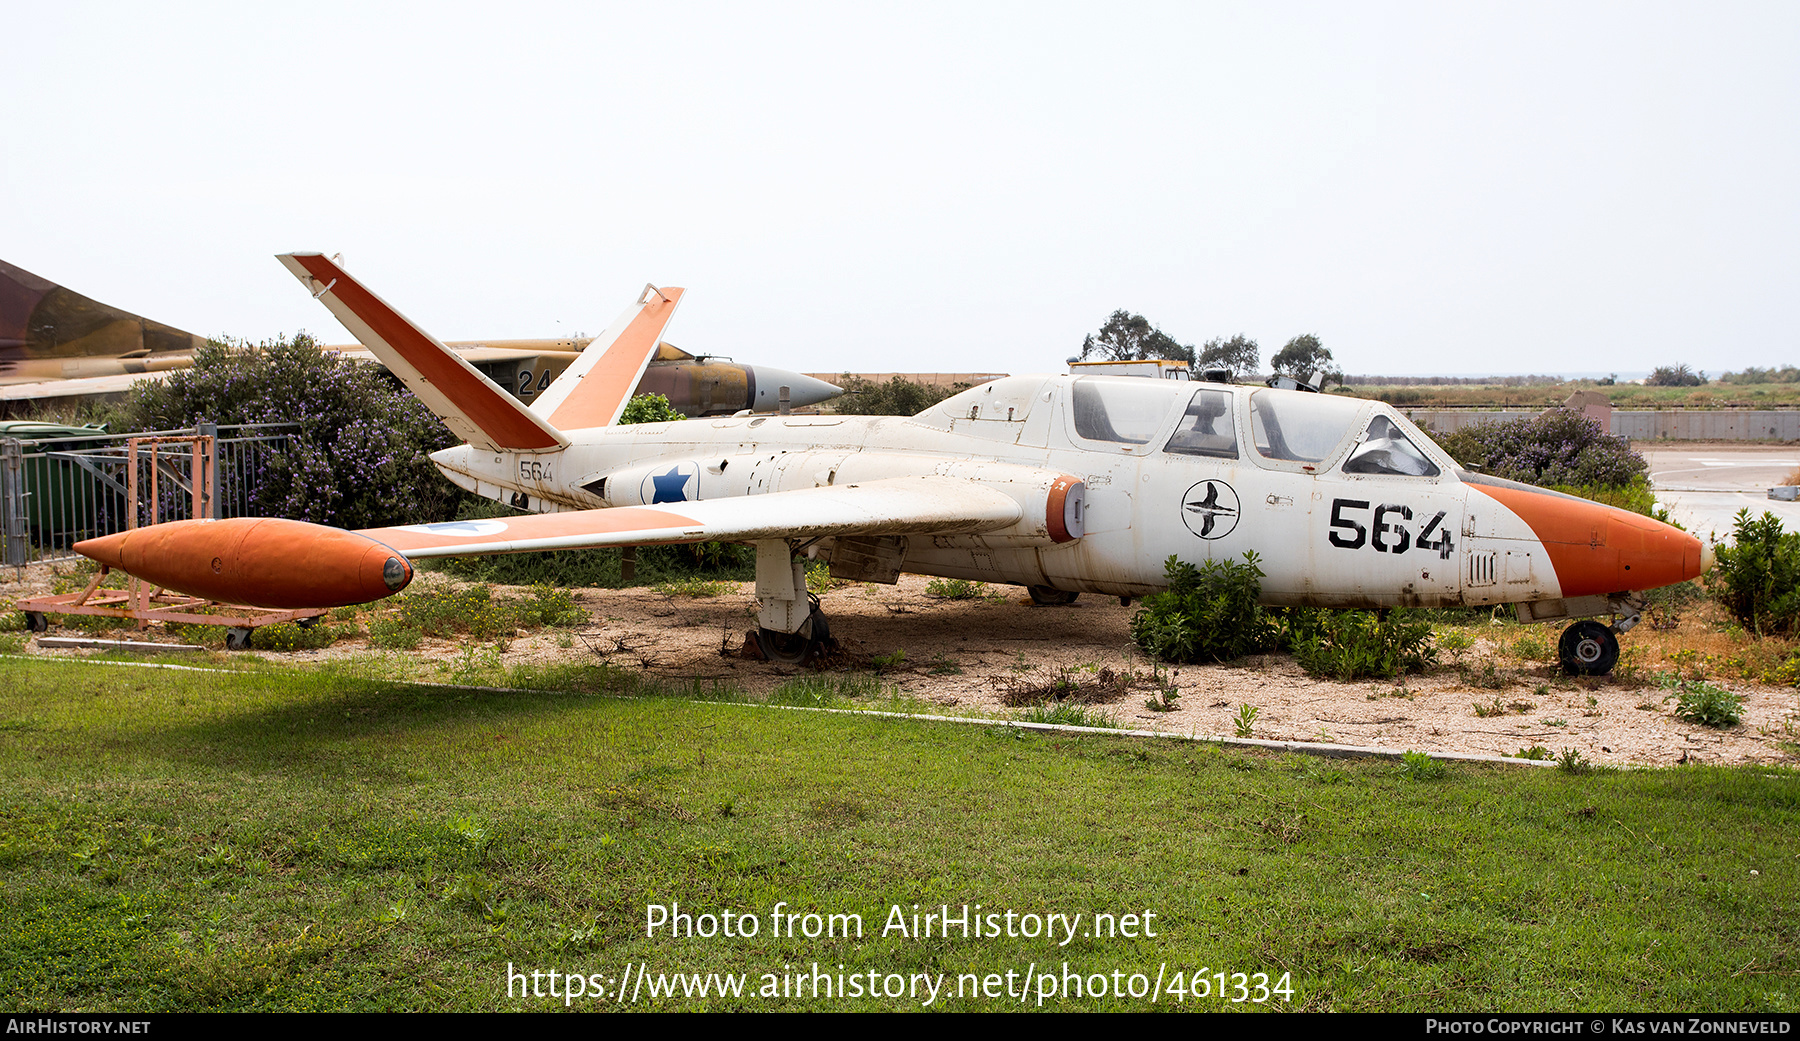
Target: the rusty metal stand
(145, 603)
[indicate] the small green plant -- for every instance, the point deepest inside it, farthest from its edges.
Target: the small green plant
(1697, 701)
(943, 665)
(1530, 648)
(819, 580)
(1418, 766)
(959, 589)
(1164, 699)
(1493, 708)
(394, 634)
(1070, 713)
(1246, 720)
(1536, 752)
(550, 606)
(1556, 722)
(695, 587)
(1572, 762)
(888, 662)
(1488, 677)
(1455, 643)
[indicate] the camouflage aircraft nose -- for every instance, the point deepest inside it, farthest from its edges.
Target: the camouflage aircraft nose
(803, 390)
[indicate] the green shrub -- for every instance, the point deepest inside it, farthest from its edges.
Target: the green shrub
(361, 456)
(394, 634)
(1558, 448)
(1757, 577)
(1635, 495)
(1350, 645)
(1699, 702)
(550, 606)
(649, 408)
(1208, 613)
(897, 397)
(289, 636)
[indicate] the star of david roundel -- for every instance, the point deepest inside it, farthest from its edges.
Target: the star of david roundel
(1210, 509)
(677, 482)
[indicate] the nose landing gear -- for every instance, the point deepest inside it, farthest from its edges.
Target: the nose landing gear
(1588, 648)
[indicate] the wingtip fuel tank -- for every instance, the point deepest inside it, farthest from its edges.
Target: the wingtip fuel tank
(261, 562)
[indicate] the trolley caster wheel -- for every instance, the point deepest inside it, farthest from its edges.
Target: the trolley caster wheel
(37, 621)
(1046, 596)
(1588, 649)
(237, 639)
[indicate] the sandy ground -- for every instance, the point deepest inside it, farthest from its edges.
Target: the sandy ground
(975, 655)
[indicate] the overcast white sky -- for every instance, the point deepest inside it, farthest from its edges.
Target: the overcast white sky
(1428, 187)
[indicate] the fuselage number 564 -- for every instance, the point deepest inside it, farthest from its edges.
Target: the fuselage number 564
(1385, 532)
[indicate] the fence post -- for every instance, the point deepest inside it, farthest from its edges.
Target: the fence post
(12, 502)
(210, 464)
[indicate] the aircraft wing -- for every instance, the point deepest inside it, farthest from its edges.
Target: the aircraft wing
(897, 506)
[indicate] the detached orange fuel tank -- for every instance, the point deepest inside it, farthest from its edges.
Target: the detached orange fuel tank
(261, 562)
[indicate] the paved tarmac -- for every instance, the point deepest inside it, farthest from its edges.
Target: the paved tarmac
(1705, 485)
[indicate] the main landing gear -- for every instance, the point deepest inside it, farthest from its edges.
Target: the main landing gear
(795, 648)
(1588, 648)
(1047, 596)
(790, 627)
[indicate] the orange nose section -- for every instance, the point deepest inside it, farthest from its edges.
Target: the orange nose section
(1597, 549)
(262, 562)
(1650, 553)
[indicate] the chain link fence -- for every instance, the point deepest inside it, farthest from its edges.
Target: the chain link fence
(55, 492)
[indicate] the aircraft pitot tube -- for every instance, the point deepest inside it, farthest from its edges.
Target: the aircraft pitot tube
(261, 562)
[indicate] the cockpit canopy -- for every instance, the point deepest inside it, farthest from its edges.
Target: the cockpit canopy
(1275, 429)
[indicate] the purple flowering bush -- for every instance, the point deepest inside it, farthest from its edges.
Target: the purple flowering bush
(359, 459)
(1560, 447)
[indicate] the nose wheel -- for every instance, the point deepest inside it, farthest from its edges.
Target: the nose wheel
(1588, 648)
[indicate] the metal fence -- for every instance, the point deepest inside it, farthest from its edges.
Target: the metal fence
(56, 492)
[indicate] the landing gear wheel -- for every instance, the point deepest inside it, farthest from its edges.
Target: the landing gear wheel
(308, 622)
(796, 647)
(37, 622)
(1045, 596)
(1588, 649)
(237, 639)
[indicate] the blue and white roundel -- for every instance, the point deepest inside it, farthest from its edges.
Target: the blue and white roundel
(679, 482)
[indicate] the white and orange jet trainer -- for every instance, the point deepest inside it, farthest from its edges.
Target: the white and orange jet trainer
(1062, 484)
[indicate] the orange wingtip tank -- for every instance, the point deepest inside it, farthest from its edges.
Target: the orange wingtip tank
(261, 562)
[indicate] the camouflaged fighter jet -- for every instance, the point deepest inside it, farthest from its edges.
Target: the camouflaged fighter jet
(57, 344)
(1062, 484)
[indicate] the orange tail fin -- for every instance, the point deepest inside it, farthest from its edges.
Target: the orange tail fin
(474, 407)
(593, 391)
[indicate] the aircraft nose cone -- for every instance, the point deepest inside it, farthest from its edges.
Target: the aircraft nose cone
(1652, 554)
(803, 390)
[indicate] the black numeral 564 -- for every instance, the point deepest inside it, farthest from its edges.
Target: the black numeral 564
(1385, 532)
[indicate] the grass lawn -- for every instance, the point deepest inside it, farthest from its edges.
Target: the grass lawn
(260, 840)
